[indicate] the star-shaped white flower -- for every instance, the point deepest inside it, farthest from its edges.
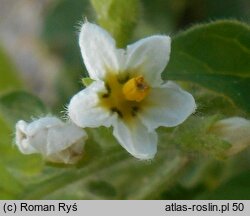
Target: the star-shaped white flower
(55, 140)
(128, 92)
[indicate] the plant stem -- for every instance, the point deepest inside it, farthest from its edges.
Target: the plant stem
(163, 177)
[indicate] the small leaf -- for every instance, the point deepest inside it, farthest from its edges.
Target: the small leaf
(119, 17)
(87, 81)
(215, 56)
(21, 105)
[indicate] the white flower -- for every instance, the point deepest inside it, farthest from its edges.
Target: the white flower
(55, 140)
(128, 92)
(235, 130)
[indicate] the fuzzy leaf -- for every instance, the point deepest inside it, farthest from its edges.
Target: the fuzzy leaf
(193, 136)
(215, 56)
(21, 105)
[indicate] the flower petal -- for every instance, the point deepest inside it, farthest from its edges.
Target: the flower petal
(36, 134)
(149, 57)
(42, 123)
(136, 139)
(84, 110)
(22, 143)
(98, 51)
(167, 106)
(63, 136)
(70, 155)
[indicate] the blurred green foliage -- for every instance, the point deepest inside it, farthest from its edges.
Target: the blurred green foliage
(234, 188)
(9, 79)
(61, 28)
(60, 32)
(21, 105)
(118, 17)
(186, 136)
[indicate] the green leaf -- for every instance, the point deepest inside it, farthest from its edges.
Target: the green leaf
(9, 184)
(161, 179)
(194, 136)
(9, 78)
(236, 188)
(119, 17)
(21, 105)
(225, 9)
(87, 81)
(212, 103)
(15, 168)
(215, 56)
(13, 107)
(102, 188)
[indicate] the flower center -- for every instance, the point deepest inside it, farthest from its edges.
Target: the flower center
(135, 89)
(125, 97)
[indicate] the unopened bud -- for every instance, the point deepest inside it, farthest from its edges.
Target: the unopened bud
(55, 140)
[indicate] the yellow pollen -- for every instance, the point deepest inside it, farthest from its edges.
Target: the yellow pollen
(135, 89)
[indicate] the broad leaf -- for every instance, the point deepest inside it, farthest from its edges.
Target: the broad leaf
(16, 168)
(215, 56)
(9, 184)
(21, 105)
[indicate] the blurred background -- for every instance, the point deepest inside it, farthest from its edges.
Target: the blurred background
(39, 54)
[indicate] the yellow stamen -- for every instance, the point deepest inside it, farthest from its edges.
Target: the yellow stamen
(135, 89)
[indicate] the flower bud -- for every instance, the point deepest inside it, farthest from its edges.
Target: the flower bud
(236, 131)
(55, 140)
